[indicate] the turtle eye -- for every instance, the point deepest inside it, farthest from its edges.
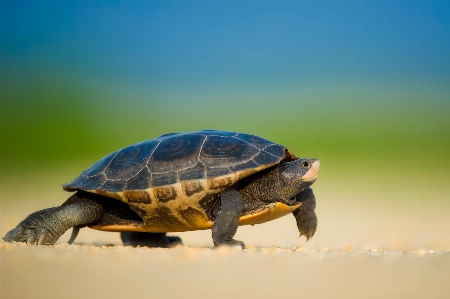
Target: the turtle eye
(305, 164)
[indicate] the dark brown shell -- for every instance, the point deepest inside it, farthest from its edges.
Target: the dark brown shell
(175, 171)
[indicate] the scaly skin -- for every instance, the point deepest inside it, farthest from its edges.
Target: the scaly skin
(227, 220)
(44, 227)
(305, 214)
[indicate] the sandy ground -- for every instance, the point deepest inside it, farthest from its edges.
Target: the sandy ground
(78, 271)
(396, 261)
(377, 248)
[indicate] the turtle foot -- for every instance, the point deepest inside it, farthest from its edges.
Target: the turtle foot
(149, 239)
(231, 243)
(174, 241)
(307, 227)
(34, 230)
(35, 236)
(305, 215)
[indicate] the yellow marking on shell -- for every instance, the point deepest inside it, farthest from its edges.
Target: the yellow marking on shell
(248, 172)
(147, 207)
(192, 202)
(195, 216)
(218, 184)
(267, 213)
(165, 193)
(194, 190)
(140, 208)
(181, 203)
(137, 196)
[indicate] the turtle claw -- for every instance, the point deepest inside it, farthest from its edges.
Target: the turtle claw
(307, 227)
(45, 237)
(30, 235)
(309, 233)
(31, 240)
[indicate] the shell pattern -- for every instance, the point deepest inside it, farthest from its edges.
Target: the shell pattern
(168, 180)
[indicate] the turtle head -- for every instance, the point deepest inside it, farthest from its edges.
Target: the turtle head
(297, 176)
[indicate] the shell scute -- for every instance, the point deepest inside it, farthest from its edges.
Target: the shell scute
(97, 168)
(192, 187)
(276, 150)
(246, 169)
(100, 166)
(93, 182)
(137, 196)
(113, 186)
(220, 183)
(176, 152)
(250, 164)
(265, 159)
(76, 183)
(165, 194)
(130, 160)
(141, 181)
(256, 141)
(218, 172)
(226, 151)
(197, 172)
(164, 179)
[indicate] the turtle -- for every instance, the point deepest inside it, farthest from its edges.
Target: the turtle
(177, 182)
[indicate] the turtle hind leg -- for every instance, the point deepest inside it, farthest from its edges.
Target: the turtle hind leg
(44, 227)
(149, 239)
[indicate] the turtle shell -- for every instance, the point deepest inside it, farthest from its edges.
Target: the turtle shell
(170, 181)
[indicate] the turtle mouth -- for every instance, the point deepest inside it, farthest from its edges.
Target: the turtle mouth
(312, 173)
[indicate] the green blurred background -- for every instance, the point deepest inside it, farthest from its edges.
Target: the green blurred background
(362, 85)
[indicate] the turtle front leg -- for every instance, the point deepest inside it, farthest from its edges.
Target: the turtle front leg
(44, 227)
(227, 220)
(305, 214)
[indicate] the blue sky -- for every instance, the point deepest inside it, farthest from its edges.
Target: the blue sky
(219, 48)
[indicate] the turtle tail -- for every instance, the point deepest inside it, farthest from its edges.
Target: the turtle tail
(75, 231)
